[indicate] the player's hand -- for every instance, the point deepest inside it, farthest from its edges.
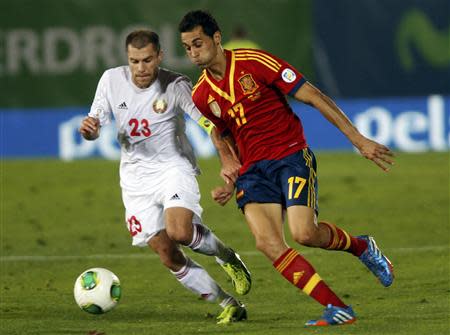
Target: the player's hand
(90, 128)
(377, 153)
(230, 170)
(222, 194)
(228, 156)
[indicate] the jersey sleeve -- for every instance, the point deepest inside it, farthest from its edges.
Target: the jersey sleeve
(101, 108)
(218, 122)
(184, 100)
(199, 96)
(280, 74)
(182, 91)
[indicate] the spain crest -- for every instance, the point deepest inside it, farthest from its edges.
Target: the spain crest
(248, 85)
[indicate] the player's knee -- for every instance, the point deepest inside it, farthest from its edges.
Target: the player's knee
(180, 233)
(178, 223)
(306, 238)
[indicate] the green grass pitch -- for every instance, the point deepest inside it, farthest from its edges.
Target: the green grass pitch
(58, 219)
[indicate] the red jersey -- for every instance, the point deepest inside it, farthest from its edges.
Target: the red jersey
(250, 103)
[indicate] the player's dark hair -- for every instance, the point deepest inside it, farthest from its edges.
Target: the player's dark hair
(198, 18)
(141, 38)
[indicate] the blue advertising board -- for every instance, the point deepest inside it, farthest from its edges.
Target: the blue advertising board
(404, 124)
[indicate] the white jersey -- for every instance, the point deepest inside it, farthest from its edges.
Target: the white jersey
(150, 123)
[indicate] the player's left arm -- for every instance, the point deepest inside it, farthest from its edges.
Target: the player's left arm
(376, 152)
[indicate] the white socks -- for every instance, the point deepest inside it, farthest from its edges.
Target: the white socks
(205, 242)
(196, 279)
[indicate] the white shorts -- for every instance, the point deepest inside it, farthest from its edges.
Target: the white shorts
(144, 214)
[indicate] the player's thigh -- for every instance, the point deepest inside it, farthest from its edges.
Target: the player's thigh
(302, 221)
(143, 216)
(265, 221)
(298, 178)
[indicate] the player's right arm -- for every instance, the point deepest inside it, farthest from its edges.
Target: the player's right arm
(100, 112)
(90, 128)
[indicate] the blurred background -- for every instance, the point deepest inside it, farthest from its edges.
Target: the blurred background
(386, 62)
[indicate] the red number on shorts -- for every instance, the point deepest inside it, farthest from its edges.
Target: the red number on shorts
(145, 127)
(134, 226)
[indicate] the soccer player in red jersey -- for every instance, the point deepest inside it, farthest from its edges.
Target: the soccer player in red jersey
(243, 92)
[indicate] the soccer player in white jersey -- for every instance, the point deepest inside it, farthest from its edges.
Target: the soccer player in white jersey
(158, 170)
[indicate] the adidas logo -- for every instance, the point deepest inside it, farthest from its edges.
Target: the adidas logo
(123, 105)
(298, 276)
(175, 197)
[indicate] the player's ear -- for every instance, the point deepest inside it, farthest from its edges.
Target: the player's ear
(217, 37)
(160, 55)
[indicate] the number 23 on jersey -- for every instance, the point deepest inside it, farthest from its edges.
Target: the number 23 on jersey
(139, 127)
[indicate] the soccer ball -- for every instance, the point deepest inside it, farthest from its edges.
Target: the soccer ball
(97, 290)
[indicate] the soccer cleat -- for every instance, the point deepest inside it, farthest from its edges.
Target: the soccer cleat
(376, 262)
(334, 316)
(232, 313)
(239, 274)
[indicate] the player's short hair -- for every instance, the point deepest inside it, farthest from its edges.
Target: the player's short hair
(200, 18)
(141, 38)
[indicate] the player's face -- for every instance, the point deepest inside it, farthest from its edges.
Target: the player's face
(144, 64)
(200, 48)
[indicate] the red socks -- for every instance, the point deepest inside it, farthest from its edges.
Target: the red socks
(341, 240)
(300, 273)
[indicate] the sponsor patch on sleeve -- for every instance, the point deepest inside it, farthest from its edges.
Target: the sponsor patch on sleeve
(288, 75)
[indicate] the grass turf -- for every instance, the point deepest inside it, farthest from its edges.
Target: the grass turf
(71, 214)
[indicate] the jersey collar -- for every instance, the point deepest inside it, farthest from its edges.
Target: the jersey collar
(229, 72)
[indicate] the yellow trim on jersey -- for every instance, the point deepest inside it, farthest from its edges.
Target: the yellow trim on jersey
(199, 81)
(230, 97)
(312, 283)
(206, 124)
(264, 59)
(259, 61)
(250, 52)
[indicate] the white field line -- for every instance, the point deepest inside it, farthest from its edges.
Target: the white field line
(150, 255)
